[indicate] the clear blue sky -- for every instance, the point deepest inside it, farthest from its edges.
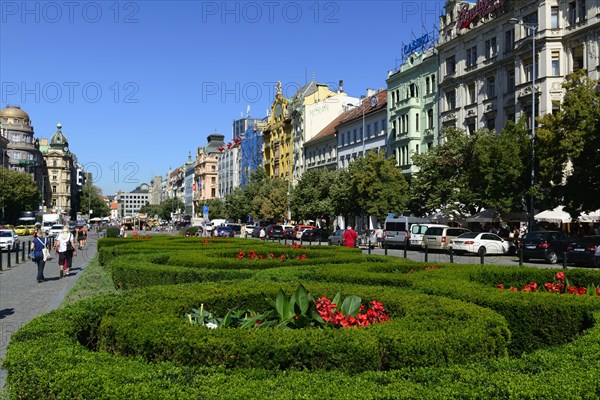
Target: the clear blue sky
(138, 85)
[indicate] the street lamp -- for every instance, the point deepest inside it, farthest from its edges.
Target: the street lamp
(533, 28)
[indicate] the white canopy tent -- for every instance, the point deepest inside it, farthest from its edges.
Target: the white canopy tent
(594, 216)
(556, 216)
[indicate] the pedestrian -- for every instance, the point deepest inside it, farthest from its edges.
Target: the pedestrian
(38, 245)
(379, 236)
(122, 231)
(65, 247)
(84, 235)
(350, 237)
(262, 234)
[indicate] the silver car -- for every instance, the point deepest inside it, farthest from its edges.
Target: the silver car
(9, 240)
(336, 239)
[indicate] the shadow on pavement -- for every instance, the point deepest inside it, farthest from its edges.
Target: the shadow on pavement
(6, 312)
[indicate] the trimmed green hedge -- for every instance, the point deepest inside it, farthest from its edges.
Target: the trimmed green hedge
(423, 331)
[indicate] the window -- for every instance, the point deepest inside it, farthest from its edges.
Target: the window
(427, 91)
(213, 192)
(17, 155)
(54, 163)
(368, 131)
(490, 48)
(554, 17)
(417, 121)
(383, 127)
(430, 118)
(528, 69)
(509, 40)
(212, 180)
(582, 13)
(490, 124)
(555, 63)
(510, 80)
(491, 87)
(471, 126)
(53, 188)
(451, 99)
(432, 83)
(572, 15)
(471, 93)
(354, 134)
(472, 57)
(450, 65)
(531, 20)
(54, 177)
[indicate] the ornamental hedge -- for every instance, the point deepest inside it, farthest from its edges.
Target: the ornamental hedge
(452, 332)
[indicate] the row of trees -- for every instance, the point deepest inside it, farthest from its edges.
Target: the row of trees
(462, 176)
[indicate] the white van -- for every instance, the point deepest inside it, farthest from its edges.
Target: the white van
(418, 230)
(397, 229)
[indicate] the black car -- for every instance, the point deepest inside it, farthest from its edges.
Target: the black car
(224, 231)
(582, 252)
(315, 235)
(274, 232)
(546, 245)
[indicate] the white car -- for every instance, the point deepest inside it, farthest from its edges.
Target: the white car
(300, 232)
(55, 230)
(9, 240)
(481, 243)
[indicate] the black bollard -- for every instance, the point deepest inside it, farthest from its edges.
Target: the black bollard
(426, 254)
(369, 245)
(23, 252)
(1, 255)
(405, 247)
(285, 240)
(385, 247)
(451, 256)
(17, 253)
(565, 260)
(8, 263)
(481, 261)
(520, 257)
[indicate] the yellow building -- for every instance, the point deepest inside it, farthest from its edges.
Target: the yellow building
(59, 162)
(287, 117)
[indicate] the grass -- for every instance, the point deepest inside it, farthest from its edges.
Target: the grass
(94, 281)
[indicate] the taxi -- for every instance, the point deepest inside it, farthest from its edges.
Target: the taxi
(21, 230)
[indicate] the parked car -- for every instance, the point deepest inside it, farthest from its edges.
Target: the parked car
(582, 252)
(315, 235)
(417, 231)
(438, 238)
(481, 243)
(336, 238)
(289, 231)
(274, 232)
(9, 240)
(300, 229)
(55, 230)
(224, 231)
(255, 232)
(397, 229)
(21, 230)
(237, 228)
(545, 245)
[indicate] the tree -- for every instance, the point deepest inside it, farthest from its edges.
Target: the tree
(169, 206)
(216, 209)
(18, 193)
(470, 172)
(380, 187)
(311, 199)
(271, 202)
(91, 199)
(150, 209)
(571, 137)
(343, 194)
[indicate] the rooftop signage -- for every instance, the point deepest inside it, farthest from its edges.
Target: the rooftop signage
(418, 43)
(483, 8)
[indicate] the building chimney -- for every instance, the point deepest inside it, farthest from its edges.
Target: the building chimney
(341, 87)
(370, 92)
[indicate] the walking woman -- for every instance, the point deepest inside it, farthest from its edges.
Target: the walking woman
(65, 247)
(38, 245)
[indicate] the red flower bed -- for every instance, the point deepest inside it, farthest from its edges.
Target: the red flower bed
(561, 285)
(252, 255)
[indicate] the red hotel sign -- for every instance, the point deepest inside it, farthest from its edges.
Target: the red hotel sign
(467, 15)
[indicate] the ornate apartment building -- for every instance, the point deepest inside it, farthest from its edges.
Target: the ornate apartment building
(206, 171)
(486, 62)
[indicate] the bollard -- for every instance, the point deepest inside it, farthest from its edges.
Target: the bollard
(520, 257)
(29, 244)
(300, 242)
(369, 245)
(481, 258)
(285, 240)
(8, 263)
(451, 256)
(1, 255)
(565, 260)
(426, 254)
(23, 252)
(405, 247)
(17, 253)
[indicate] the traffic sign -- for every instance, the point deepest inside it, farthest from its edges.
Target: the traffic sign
(390, 214)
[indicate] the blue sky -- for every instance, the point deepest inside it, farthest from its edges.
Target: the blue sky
(138, 85)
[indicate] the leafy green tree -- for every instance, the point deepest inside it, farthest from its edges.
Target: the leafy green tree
(271, 202)
(18, 193)
(216, 209)
(91, 199)
(343, 194)
(169, 206)
(311, 199)
(236, 205)
(150, 209)
(471, 172)
(380, 187)
(569, 140)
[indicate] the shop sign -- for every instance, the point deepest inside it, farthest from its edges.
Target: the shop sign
(418, 43)
(483, 8)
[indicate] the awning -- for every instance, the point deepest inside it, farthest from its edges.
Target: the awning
(594, 216)
(491, 215)
(556, 216)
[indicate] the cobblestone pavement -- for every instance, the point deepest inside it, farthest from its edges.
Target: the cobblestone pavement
(22, 298)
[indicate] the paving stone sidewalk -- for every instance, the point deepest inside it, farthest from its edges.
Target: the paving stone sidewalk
(22, 298)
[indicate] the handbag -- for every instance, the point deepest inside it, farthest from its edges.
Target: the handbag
(31, 256)
(46, 254)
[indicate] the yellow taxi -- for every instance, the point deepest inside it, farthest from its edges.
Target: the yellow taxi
(21, 230)
(31, 229)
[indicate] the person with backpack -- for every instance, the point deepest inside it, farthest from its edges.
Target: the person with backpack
(38, 245)
(65, 247)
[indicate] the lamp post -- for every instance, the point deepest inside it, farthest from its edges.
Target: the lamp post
(533, 28)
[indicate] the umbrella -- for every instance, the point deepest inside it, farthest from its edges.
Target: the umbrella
(556, 216)
(95, 219)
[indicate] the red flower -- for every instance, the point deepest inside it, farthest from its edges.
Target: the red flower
(513, 289)
(530, 287)
(500, 286)
(302, 257)
(240, 255)
(560, 276)
(581, 290)
(597, 291)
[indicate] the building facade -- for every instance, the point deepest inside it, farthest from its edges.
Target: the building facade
(60, 183)
(487, 65)
(22, 148)
(413, 109)
(252, 151)
(206, 171)
(156, 192)
(371, 117)
(129, 203)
